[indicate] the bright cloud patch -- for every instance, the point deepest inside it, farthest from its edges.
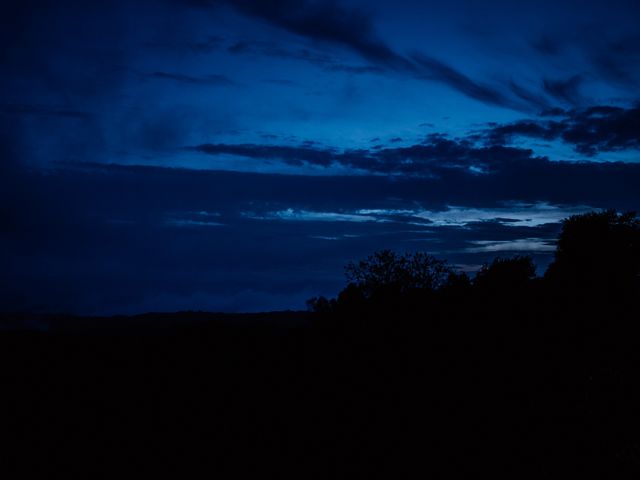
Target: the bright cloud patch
(192, 223)
(312, 216)
(517, 214)
(517, 245)
(511, 214)
(200, 218)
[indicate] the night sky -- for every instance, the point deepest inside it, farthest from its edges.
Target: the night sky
(234, 155)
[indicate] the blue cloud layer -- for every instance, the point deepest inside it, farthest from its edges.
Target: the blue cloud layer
(234, 154)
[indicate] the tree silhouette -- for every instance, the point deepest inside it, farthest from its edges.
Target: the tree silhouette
(320, 305)
(387, 270)
(506, 273)
(598, 250)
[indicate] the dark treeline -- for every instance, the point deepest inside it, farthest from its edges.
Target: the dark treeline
(413, 369)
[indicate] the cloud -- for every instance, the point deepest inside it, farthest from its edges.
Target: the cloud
(501, 134)
(439, 71)
(443, 158)
(353, 28)
(611, 56)
(528, 181)
(547, 45)
(211, 80)
(509, 214)
(603, 129)
(566, 91)
(193, 219)
(355, 69)
(143, 233)
(437, 155)
(592, 130)
(274, 49)
(291, 214)
(319, 59)
(200, 47)
(529, 97)
(288, 154)
(282, 81)
(325, 21)
(45, 110)
(617, 60)
(517, 245)
(438, 172)
(175, 222)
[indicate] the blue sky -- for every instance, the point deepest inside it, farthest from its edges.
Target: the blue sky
(233, 155)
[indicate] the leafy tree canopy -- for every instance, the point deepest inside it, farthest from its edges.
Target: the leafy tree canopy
(386, 269)
(598, 248)
(506, 273)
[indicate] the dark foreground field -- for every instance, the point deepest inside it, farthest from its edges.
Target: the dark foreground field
(414, 369)
(198, 394)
